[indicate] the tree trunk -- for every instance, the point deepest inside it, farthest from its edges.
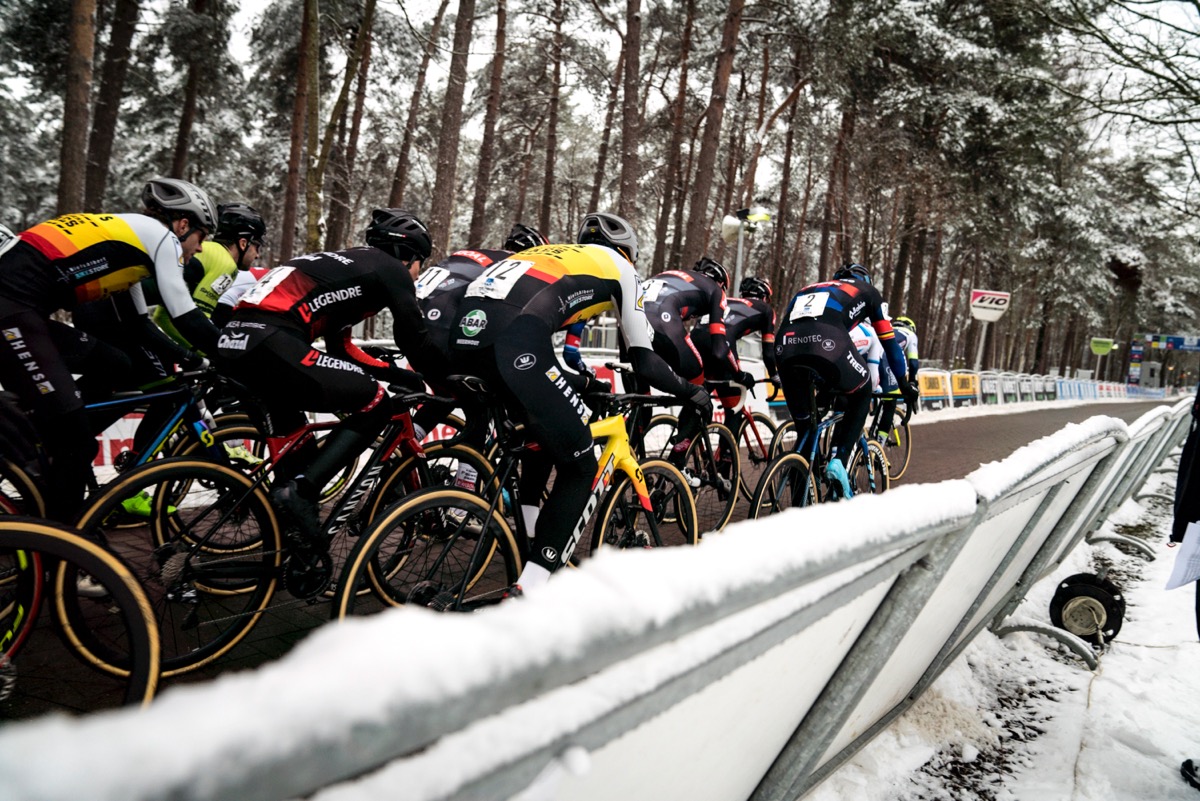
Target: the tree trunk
(312, 181)
(552, 120)
(487, 148)
(627, 200)
(900, 274)
(782, 217)
(191, 99)
(108, 102)
(73, 155)
(336, 118)
(400, 177)
(829, 219)
(698, 208)
(606, 135)
(442, 214)
(340, 212)
(291, 197)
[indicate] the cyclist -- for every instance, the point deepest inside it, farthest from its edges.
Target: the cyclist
(673, 299)
(441, 288)
(814, 340)
(747, 314)
(74, 259)
(267, 346)
(240, 234)
(505, 324)
(906, 338)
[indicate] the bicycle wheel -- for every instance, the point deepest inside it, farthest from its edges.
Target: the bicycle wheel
(755, 446)
(623, 521)
(869, 475)
(208, 553)
(21, 591)
(438, 548)
(21, 490)
(787, 482)
(656, 439)
(714, 483)
(897, 445)
(784, 440)
(118, 610)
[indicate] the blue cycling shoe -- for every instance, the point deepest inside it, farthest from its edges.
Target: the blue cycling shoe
(836, 471)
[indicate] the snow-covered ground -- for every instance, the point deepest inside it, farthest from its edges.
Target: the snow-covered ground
(1020, 718)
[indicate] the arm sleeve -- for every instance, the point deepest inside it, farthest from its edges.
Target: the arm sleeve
(768, 342)
(342, 346)
(165, 348)
(721, 351)
(571, 355)
(409, 331)
(891, 348)
(649, 365)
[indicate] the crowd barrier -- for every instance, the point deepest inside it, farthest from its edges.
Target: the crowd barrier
(749, 667)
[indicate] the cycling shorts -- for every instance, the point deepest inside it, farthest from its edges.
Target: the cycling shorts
(824, 348)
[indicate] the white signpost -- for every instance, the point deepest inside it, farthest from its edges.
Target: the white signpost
(987, 306)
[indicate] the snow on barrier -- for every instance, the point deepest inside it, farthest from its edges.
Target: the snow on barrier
(749, 667)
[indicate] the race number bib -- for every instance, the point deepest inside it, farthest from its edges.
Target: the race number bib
(430, 280)
(266, 285)
(652, 289)
(499, 279)
(811, 305)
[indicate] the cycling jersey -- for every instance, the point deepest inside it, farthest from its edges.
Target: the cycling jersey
(218, 271)
(677, 296)
(744, 316)
(441, 288)
(867, 343)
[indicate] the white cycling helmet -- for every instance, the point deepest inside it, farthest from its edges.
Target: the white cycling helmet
(601, 228)
(176, 197)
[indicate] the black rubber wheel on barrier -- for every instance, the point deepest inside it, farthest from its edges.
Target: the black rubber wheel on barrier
(1089, 607)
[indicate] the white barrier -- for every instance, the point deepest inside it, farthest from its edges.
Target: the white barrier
(749, 667)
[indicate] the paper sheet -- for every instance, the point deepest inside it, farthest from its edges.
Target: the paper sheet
(1187, 561)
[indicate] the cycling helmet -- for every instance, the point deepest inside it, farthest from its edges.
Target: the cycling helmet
(600, 228)
(713, 269)
(400, 234)
(238, 221)
(754, 287)
(851, 272)
(177, 198)
(523, 237)
(905, 321)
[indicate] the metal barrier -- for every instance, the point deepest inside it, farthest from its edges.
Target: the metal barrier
(750, 667)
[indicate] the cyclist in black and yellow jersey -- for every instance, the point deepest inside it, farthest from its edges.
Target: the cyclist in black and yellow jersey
(505, 325)
(71, 260)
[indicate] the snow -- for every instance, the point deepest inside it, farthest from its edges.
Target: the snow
(1014, 718)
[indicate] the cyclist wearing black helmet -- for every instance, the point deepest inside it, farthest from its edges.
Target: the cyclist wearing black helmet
(814, 339)
(75, 259)
(505, 327)
(267, 345)
(747, 314)
(673, 299)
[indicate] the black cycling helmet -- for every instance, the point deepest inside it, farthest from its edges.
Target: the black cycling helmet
(714, 270)
(905, 322)
(523, 237)
(852, 272)
(238, 221)
(601, 228)
(754, 287)
(400, 234)
(175, 198)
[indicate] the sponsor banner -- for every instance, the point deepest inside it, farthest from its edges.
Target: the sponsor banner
(989, 305)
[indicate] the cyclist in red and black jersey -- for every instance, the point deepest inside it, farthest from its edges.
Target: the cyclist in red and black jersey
(75, 259)
(749, 314)
(267, 345)
(674, 298)
(814, 338)
(505, 325)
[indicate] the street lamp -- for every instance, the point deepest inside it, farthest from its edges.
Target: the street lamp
(735, 226)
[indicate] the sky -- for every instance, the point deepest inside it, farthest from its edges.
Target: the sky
(1014, 718)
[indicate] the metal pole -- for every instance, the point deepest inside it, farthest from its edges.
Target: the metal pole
(982, 341)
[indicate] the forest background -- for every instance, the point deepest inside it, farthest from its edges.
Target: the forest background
(1042, 147)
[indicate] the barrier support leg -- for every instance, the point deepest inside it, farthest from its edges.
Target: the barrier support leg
(1076, 645)
(1139, 546)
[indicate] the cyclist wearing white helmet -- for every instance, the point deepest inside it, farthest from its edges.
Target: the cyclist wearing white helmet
(69, 261)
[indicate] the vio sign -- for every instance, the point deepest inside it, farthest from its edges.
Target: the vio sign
(987, 305)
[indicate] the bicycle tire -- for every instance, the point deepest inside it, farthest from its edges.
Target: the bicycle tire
(717, 493)
(787, 482)
(22, 589)
(898, 448)
(21, 489)
(869, 475)
(206, 590)
(438, 547)
(673, 511)
(784, 440)
(656, 437)
(133, 622)
(754, 447)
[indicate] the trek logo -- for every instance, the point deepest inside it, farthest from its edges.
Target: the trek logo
(326, 298)
(858, 368)
(828, 345)
(235, 342)
(315, 358)
(473, 323)
(525, 361)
